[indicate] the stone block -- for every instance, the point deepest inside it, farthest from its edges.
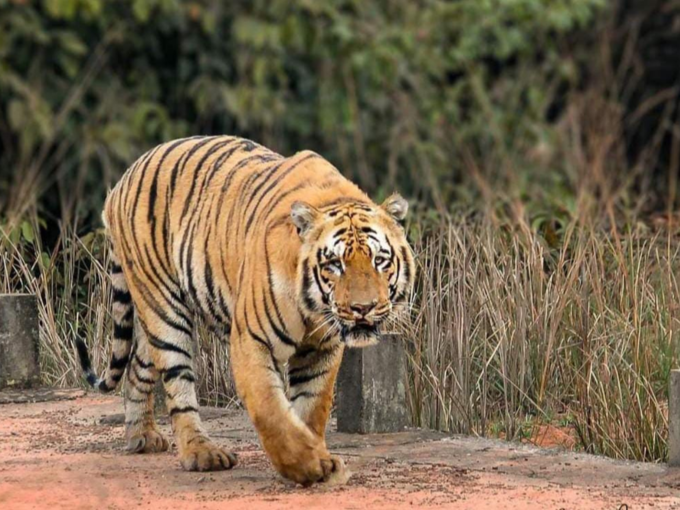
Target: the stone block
(19, 341)
(371, 388)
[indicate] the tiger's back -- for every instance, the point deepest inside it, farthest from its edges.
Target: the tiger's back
(187, 214)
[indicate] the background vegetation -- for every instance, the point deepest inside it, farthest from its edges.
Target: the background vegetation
(539, 155)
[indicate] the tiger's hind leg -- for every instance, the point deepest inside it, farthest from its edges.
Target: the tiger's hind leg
(141, 431)
(171, 349)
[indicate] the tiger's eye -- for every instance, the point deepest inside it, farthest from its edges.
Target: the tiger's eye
(333, 265)
(379, 261)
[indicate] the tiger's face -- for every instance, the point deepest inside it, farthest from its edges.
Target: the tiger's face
(356, 267)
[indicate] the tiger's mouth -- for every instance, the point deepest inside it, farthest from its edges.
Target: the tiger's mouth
(360, 334)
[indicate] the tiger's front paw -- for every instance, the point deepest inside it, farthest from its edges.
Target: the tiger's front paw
(339, 474)
(201, 454)
(319, 470)
(311, 467)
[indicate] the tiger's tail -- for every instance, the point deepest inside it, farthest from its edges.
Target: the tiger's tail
(123, 316)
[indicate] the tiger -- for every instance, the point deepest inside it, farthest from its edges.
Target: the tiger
(289, 260)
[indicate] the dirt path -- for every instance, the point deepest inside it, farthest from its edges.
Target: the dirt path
(68, 454)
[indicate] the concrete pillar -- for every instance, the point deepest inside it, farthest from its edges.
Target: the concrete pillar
(371, 391)
(19, 340)
(674, 419)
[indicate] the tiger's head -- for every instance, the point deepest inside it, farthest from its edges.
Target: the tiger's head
(355, 268)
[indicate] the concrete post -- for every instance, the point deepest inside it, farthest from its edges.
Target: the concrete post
(674, 419)
(371, 391)
(19, 340)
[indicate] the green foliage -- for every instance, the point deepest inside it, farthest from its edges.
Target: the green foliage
(388, 91)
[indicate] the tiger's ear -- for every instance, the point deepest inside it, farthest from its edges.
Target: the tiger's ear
(303, 216)
(396, 206)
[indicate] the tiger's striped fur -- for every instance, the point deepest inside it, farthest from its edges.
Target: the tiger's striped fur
(286, 256)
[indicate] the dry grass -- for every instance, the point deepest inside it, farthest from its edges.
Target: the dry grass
(509, 329)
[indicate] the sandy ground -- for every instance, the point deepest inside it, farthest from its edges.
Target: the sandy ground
(68, 454)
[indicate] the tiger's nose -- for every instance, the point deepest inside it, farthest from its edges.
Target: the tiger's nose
(363, 309)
